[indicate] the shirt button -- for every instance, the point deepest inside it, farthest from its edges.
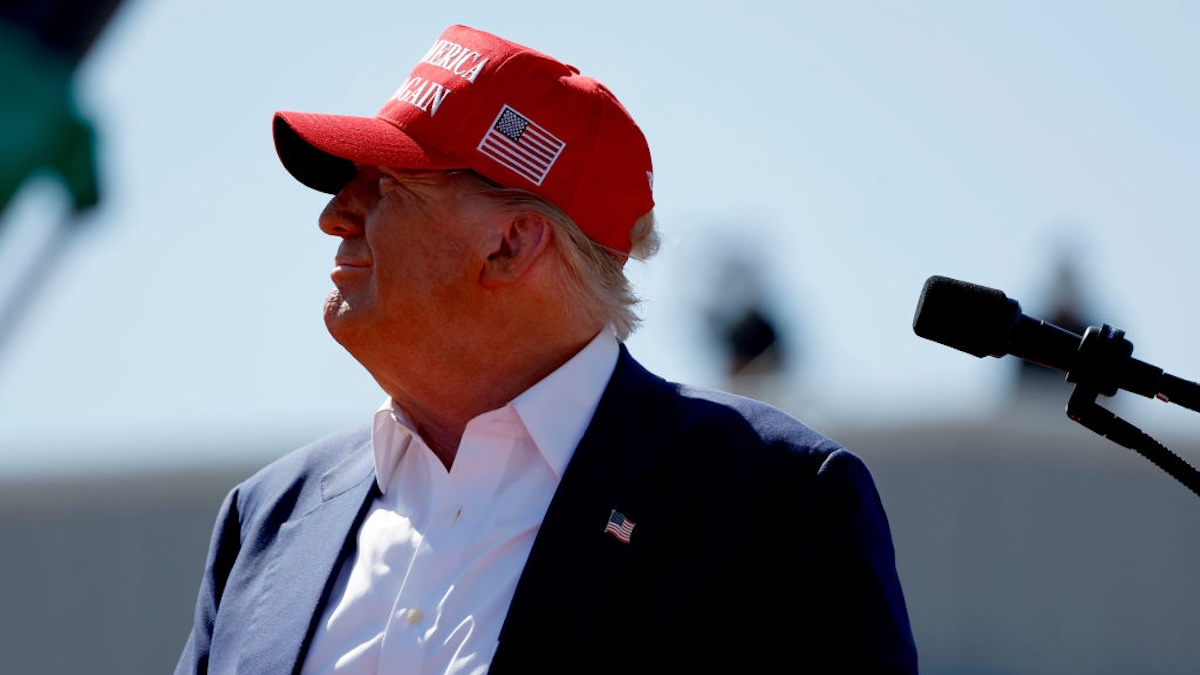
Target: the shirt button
(413, 616)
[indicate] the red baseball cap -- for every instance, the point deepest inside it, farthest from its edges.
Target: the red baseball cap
(521, 118)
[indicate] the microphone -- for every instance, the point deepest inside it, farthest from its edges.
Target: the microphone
(983, 321)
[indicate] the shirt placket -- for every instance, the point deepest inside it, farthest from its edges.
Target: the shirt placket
(426, 611)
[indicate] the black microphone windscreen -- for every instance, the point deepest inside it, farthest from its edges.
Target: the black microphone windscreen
(971, 318)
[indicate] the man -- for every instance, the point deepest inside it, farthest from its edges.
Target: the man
(529, 499)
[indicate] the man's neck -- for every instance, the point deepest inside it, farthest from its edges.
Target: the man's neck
(441, 408)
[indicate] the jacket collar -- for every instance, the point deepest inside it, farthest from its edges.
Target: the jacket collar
(627, 439)
(304, 563)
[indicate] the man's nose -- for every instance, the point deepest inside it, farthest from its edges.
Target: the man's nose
(343, 216)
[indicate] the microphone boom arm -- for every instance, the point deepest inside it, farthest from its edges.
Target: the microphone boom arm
(1082, 408)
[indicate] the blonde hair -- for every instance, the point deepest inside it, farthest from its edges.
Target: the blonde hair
(596, 286)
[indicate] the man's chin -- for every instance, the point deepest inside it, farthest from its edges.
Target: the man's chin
(341, 318)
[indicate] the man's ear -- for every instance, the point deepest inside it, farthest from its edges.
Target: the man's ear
(521, 241)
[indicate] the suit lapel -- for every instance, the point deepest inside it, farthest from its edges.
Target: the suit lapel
(308, 552)
(627, 439)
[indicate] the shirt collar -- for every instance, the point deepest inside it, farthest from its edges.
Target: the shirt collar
(556, 411)
(391, 436)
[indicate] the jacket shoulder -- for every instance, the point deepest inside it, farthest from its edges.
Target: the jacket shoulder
(732, 430)
(301, 478)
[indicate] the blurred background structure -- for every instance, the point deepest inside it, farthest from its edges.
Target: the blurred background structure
(758, 351)
(1026, 546)
(814, 164)
(42, 43)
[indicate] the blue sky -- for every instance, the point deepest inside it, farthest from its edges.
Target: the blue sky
(853, 149)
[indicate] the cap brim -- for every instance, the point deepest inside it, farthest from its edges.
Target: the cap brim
(321, 150)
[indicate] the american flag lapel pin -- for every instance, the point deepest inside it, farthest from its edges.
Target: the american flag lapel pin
(619, 526)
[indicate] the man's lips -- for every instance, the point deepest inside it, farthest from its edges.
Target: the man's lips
(345, 267)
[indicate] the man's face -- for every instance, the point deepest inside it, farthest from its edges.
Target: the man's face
(408, 263)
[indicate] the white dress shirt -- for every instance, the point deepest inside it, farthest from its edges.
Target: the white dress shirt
(440, 552)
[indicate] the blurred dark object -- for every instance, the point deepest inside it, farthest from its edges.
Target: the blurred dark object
(751, 338)
(41, 127)
(745, 330)
(67, 27)
(41, 43)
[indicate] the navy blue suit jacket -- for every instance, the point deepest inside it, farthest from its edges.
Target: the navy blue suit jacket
(757, 541)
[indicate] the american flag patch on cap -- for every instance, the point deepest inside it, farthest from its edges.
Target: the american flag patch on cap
(520, 144)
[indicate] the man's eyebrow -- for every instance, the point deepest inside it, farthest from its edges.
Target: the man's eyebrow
(411, 175)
